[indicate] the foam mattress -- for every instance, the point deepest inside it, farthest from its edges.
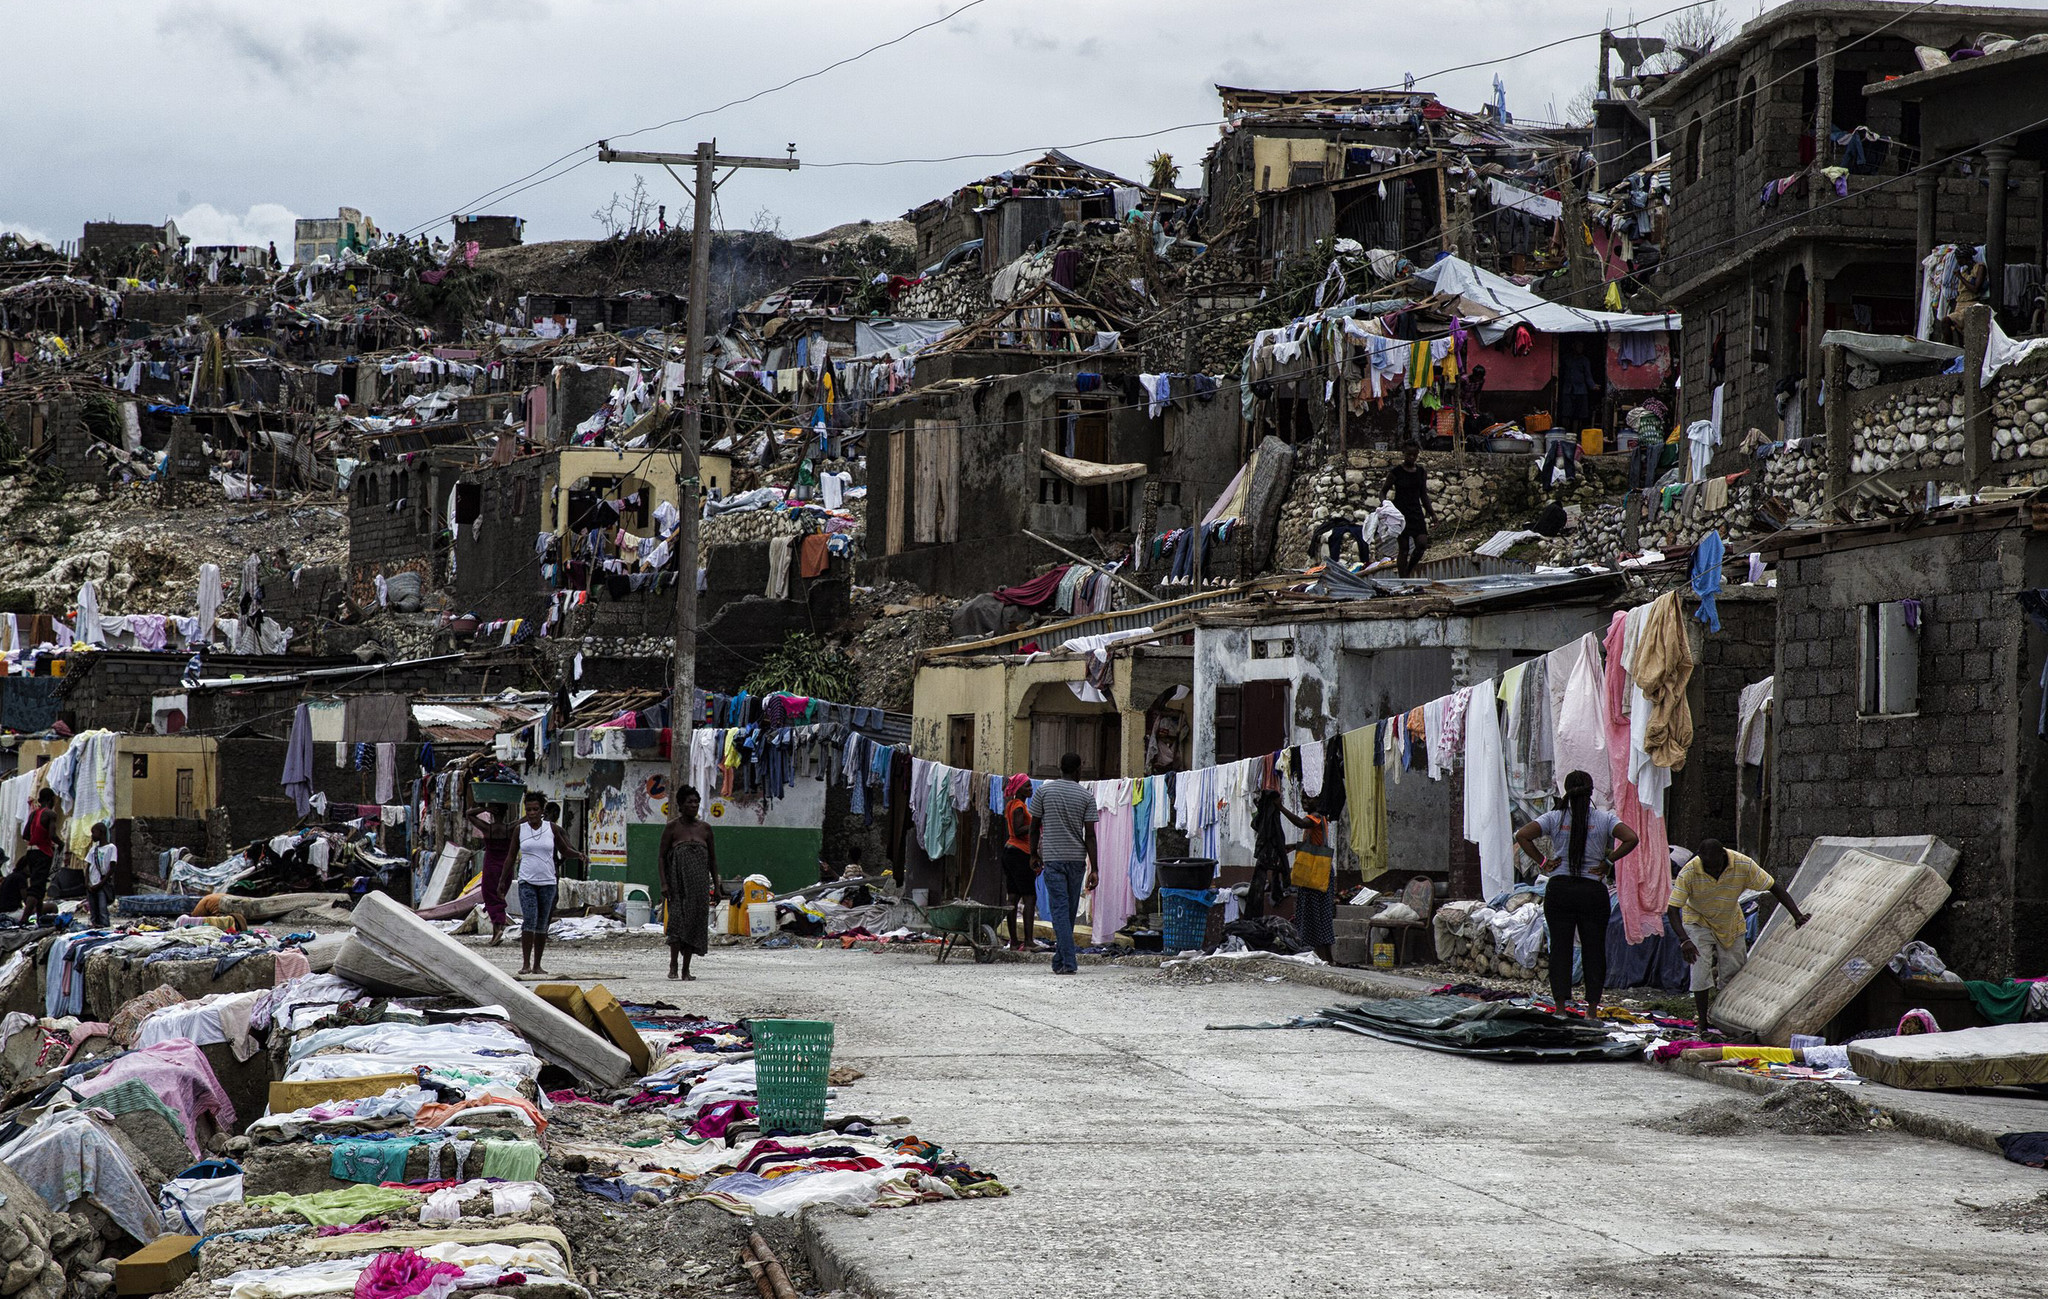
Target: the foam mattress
(1797, 979)
(2007, 1055)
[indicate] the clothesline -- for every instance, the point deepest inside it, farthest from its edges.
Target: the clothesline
(1613, 705)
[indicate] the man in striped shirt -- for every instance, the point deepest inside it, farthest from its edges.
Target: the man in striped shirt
(1063, 819)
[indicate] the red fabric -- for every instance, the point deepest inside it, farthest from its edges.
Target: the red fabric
(1037, 592)
(1506, 372)
(1635, 378)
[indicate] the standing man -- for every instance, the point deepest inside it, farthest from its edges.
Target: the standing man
(538, 843)
(1706, 900)
(689, 869)
(1062, 840)
(1407, 486)
(30, 878)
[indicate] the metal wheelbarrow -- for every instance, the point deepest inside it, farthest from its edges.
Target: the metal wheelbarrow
(973, 923)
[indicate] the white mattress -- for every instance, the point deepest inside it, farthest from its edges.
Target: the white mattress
(1797, 979)
(2005, 1055)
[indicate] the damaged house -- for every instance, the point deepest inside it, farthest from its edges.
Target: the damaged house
(1799, 204)
(1034, 420)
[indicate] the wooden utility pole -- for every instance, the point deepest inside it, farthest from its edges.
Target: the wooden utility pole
(707, 160)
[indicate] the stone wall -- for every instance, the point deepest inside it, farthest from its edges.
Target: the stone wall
(959, 294)
(1497, 490)
(1918, 424)
(2019, 419)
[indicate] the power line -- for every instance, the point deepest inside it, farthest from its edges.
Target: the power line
(500, 193)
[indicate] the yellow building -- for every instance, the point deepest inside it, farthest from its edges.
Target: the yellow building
(155, 775)
(1009, 713)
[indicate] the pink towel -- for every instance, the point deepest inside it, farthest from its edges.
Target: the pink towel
(1642, 880)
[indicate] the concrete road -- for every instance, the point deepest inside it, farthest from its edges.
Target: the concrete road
(1149, 1157)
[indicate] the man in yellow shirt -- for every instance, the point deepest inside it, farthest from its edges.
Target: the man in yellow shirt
(1706, 902)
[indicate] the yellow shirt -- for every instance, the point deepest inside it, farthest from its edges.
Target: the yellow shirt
(1717, 903)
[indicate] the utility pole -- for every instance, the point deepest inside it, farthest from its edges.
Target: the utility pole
(707, 160)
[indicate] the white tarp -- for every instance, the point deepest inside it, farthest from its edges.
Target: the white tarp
(1501, 304)
(1889, 349)
(872, 338)
(1541, 206)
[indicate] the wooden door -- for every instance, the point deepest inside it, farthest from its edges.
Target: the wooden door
(899, 480)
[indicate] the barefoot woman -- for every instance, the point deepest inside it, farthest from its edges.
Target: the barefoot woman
(689, 863)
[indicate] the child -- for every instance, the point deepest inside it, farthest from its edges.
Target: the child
(99, 873)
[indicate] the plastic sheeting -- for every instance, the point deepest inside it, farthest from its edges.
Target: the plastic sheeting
(1501, 304)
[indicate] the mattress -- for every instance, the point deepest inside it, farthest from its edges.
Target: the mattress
(1796, 980)
(1824, 852)
(2007, 1055)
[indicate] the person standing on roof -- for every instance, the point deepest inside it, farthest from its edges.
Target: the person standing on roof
(1062, 841)
(1407, 486)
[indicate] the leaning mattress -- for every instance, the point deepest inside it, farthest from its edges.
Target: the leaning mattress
(1796, 980)
(2008, 1055)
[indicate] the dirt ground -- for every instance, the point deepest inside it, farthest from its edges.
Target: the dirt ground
(1806, 1109)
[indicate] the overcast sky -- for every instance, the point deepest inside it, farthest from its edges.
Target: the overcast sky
(235, 116)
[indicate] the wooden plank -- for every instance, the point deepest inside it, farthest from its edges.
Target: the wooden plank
(403, 938)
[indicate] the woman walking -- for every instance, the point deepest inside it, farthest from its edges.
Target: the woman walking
(1575, 899)
(689, 864)
(494, 823)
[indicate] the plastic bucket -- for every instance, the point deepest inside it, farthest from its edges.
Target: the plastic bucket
(1592, 441)
(920, 898)
(636, 910)
(792, 1064)
(760, 918)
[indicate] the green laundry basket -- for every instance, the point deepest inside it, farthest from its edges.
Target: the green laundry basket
(792, 1063)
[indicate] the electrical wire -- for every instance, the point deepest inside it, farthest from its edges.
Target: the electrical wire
(506, 191)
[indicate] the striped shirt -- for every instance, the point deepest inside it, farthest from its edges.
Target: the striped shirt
(1717, 903)
(1063, 809)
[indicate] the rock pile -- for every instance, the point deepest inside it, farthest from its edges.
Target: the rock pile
(2019, 416)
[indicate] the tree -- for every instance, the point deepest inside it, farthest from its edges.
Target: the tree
(1689, 35)
(626, 214)
(1165, 173)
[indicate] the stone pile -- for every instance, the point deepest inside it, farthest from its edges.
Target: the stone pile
(1469, 937)
(44, 1255)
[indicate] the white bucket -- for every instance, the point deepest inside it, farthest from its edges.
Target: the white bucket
(920, 898)
(639, 910)
(760, 918)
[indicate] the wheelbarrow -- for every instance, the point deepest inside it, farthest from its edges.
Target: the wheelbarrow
(973, 923)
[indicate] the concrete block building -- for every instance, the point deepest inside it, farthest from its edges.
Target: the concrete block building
(1760, 274)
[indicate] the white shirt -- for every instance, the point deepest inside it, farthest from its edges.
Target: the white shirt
(99, 863)
(536, 853)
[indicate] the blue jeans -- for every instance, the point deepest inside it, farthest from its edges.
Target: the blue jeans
(536, 906)
(1356, 533)
(1063, 881)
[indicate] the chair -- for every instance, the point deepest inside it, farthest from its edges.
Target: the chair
(1420, 896)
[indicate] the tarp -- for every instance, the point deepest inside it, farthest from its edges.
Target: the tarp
(1087, 473)
(1500, 304)
(1889, 349)
(872, 338)
(1541, 206)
